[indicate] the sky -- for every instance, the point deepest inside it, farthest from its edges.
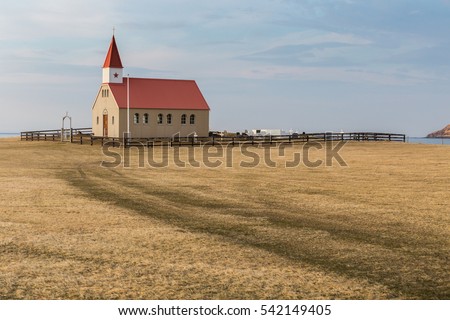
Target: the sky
(306, 65)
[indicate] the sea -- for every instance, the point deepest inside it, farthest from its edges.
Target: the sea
(442, 141)
(8, 135)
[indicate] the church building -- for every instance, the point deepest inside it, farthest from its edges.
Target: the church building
(148, 108)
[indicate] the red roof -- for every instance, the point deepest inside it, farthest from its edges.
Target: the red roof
(113, 58)
(159, 94)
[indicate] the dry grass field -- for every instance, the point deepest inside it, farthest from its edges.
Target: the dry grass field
(376, 229)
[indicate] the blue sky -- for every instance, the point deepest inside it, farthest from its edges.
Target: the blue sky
(304, 65)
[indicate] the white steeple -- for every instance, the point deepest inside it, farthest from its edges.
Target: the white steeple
(112, 68)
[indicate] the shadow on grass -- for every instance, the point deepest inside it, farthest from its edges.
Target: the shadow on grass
(408, 266)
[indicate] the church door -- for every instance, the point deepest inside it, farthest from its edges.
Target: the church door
(105, 125)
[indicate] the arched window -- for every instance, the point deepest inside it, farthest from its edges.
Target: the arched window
(160, 118)
(145, 118)
(183, 119)
(112, 120)
(136, 118)
(192, 119)
(169, 118)
(98, 120)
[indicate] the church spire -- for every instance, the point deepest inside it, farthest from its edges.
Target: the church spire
(113, 57)
(112, 67)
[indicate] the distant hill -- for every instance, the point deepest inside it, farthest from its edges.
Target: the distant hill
(443, 133)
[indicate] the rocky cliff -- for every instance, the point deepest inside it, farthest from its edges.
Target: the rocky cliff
(443, 133)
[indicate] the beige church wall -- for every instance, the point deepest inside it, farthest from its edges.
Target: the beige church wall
(105, 105)
(153, 129)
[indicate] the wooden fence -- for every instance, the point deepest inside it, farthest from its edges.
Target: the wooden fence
(251, 140)
(84, 136)
(76, 135)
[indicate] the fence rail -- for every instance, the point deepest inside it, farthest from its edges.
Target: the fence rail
(74, 134)
(253, 140)
(84, 135)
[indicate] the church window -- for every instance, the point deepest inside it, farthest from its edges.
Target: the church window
(183, 119)
(145, 119)
(136, 118)
(105, 93)
(169, 118)
(192, 119)
(160, 118)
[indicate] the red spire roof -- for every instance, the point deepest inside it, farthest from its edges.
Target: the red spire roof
(113, 58)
